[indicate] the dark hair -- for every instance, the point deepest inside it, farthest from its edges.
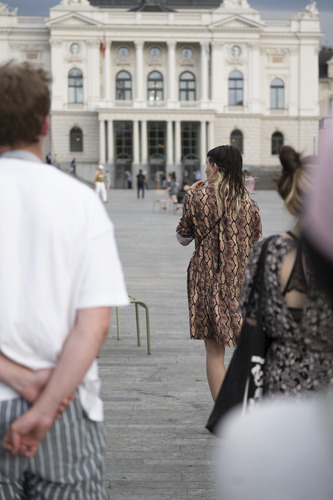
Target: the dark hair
(230, 184)
(24, 103)
(294, 178)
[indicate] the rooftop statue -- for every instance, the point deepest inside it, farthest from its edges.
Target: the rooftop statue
(310, 11)
(4, 10)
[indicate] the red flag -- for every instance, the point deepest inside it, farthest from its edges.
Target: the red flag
(104, 45)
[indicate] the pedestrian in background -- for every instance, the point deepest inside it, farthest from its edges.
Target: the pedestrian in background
(100, 184)
(141, 183)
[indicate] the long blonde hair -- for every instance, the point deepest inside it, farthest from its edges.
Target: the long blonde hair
(229, 185)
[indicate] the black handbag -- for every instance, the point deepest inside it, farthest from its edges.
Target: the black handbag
(243, 383)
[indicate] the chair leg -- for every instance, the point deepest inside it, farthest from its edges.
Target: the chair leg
(137, 324)
(148, 330)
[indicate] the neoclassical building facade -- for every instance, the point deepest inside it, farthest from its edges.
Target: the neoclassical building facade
(155, 84)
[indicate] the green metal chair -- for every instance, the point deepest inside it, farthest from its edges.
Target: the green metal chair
(137, 303)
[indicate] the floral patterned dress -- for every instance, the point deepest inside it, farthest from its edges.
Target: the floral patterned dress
(300, 356)
(216, 270)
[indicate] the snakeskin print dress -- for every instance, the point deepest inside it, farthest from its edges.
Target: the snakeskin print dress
(216, 270)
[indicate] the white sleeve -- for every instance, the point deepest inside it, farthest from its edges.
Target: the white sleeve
(102, 280)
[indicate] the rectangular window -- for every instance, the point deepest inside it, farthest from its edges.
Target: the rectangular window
(156, 138)
(190, 138)
(123, 138)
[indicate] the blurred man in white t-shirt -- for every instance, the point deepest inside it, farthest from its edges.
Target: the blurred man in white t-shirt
(55, 302)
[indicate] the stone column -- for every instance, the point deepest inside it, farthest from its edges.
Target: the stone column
(211, 135)
(136, 143)
(171, 72)
(203, 143)
(102, 141)
(93, 72)
(110, 143)
(294, 92)
(178, 143)
(107, 71)
(139, 71)
(218, 83)
(169, 144)
(60, 80)
(144, 146)
(253, 97)
(204, 71)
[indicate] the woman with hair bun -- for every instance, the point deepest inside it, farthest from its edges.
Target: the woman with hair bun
(225, 223)
(297, 317)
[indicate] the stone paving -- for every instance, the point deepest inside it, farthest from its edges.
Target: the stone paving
(156, 406)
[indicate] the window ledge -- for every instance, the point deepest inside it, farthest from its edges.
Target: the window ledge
(124, 102)
(236, 109)
(278, 111)
(189, 104)
(75, 106)
(156, 104)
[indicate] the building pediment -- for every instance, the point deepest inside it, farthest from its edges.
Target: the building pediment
(73, 19)
(236, 22)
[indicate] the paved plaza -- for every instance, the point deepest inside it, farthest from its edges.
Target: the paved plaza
(156, 406)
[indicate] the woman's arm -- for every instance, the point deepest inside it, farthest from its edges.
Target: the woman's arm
(185, 229)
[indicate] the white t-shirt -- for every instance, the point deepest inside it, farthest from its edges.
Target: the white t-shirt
(55, 240)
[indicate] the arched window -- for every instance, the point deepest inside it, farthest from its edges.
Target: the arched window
(236, 88)
(76, 140)
(277, 142)
(155, 86)
(236, 140)
(277, 94)
(75, 86)
(187, 87)
(123, 86)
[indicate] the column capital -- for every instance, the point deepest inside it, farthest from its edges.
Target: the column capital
(139, 43)
(171, 43)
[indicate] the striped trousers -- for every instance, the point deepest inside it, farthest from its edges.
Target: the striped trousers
(68, 464)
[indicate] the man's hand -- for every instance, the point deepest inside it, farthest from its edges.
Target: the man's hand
(79, 351)
(28, 383)
(26, 433)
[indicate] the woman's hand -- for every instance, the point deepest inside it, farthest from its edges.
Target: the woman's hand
(198, 185)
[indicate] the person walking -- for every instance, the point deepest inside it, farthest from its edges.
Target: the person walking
(100, 184)
(55, 306)
(224, 223)
(140, 183)
(172, 190)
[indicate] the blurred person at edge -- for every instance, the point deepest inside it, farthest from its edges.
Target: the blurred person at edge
(55, 302)
(283, 450)
(296, 316)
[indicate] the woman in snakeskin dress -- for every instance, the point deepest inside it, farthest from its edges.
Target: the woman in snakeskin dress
(296, 313)
(224, 223)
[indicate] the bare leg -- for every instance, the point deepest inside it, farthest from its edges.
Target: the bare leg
(214, 366)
